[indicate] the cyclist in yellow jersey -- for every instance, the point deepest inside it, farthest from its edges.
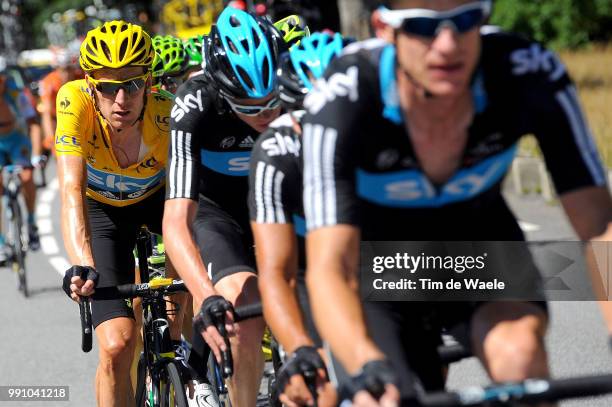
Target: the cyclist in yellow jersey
(111, 143)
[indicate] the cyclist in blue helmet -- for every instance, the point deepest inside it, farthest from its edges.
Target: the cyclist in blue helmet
(277, 223)
(306, 62)
(215, 120)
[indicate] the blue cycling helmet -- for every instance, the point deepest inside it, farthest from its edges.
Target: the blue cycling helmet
(306, 62)
(240, 55)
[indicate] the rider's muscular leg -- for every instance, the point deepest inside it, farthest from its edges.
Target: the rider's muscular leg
(116, 339)
(178, 305)
(241, 289)
(508, 337)
(29, 189)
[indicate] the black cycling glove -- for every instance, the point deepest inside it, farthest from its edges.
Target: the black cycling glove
(211, 313)
(85, 272)
(304, 361)
(373, 377)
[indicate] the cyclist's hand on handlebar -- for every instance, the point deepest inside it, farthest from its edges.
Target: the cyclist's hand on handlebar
(38, 161)
(375, 385)
(303, 374)
(215, 321)
(80, 281)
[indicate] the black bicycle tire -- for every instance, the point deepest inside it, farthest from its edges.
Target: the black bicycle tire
(141, 377)
(211, 365)
(173, 378)
(19, 254)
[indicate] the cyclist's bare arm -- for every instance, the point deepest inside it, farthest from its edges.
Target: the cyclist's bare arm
(35, 136)
(179, 215)
(276, 253)
(75, 227)
(333, 256)
(590, 212)
(48, 124)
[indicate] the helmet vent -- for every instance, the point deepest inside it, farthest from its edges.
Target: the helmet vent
(124, 27)
(245, 44)
(105, 49)
(140, 43)
(245, 77)
(103, 29)
(234, 22)
(113, 28)
(256, 38)
(232, 46)
(305, 68)
(122, 49)
(88, 48)
(266, 74)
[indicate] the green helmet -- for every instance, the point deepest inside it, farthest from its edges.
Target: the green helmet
(170, 56)
(193, 48)
(293, 28)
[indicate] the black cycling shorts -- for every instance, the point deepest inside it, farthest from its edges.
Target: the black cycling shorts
(113, 237)
(226, 245)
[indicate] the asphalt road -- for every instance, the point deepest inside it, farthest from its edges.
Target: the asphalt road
(40, 336)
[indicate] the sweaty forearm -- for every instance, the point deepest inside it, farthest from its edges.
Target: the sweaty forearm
(48, 126)
(282, 310)
(75, 227)
(338, 316)
(185, 256)
(36, 138)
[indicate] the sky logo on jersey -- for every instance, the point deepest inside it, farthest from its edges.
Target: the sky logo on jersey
(536, 59)
(339, 84)
(122, 184)
(232, 163)
(411, 188)
(281, 145)
(184, 105)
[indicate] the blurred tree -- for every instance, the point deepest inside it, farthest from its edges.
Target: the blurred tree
(558, 23)
(36, 12)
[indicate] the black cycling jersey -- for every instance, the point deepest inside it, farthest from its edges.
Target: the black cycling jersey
(275, 194)
(275, 179)
(360, 167)
(209, 151)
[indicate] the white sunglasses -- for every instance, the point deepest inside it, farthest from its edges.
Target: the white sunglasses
(427, 23)
(248, 110)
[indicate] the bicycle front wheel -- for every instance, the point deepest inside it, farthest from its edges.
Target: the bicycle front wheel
(173, 390)
(18, 248)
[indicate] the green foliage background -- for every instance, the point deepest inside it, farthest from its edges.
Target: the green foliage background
(557, 23)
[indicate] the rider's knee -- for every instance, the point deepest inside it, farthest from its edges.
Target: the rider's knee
(515, 352)
(116, 351)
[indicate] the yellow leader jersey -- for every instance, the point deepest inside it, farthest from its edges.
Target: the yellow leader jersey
(82, 131)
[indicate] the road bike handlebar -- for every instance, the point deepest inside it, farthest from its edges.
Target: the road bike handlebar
(163, 286)
(531, 392)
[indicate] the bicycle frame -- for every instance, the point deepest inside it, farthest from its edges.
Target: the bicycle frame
(157, 344)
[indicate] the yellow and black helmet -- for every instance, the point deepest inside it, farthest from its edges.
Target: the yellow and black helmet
(116, 44)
